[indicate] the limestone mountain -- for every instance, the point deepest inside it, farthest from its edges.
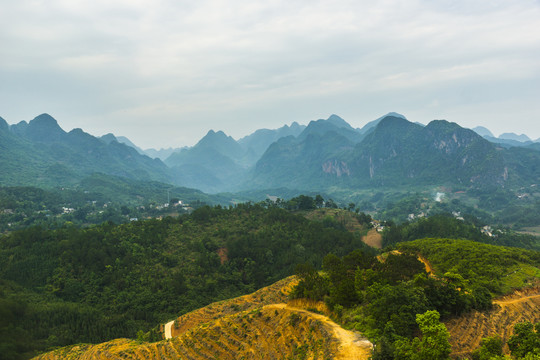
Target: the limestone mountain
(516, 137)
(396, 152)
(310, 161)
(333, 124)
(213, 164)
(399, 152)
(41, 153)
(371, 125)
(162, 153)
(220, 163)
(483, 131)
(256, 143)
(3, 125)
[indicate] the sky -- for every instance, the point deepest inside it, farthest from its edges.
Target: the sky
(165, 72)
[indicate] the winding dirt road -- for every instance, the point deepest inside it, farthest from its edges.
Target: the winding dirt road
(353, 346)
(503, 303)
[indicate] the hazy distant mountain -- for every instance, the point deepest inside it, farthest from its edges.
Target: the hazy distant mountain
(218, 162)
(515, 137)
(370, 125)
(162, 154)
(126, 141)
(41, 153)
(256, 143)
(326, 154)
(3, 125)
(395, 152)
(507, 143)
(333, 124)
(482, 131)
(213, 164)
(108, 138)
(296, 162)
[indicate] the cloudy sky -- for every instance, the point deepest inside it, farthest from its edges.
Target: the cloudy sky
(164, 72)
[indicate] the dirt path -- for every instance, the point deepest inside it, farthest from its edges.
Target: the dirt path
(353, 346)
(503, 303)
(168, 329)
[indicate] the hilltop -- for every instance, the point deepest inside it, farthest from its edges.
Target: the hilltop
(259, 325)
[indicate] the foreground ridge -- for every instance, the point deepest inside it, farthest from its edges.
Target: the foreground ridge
(255, 326)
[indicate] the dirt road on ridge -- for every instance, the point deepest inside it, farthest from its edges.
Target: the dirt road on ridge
(503, 303)
(352, 345)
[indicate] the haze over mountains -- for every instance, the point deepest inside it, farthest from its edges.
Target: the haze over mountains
(389, 151)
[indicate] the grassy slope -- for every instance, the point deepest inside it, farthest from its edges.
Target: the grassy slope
(258, 326)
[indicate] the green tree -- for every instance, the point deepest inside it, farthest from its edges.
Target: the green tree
(526, 340)
(489, 347)
(319, 201)
(433, 345)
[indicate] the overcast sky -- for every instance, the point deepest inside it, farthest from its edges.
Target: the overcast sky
(164, 72)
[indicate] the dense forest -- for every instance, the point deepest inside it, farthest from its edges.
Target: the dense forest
(73, 284)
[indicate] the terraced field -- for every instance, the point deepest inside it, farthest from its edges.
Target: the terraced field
(467, 331)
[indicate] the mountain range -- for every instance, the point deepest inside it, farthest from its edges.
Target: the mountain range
(327, 153)
(41, 153)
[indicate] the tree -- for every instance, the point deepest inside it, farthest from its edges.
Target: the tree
(319, 201)
(331, 204)
(526, 339)
(434, 344)
(490, 347)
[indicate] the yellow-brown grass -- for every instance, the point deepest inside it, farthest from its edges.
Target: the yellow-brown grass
(467, 331)
(373, 239)
(256, 326)
(263, 333)
(275, 293)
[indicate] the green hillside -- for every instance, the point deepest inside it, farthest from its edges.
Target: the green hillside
(40, 153)
(72, 285)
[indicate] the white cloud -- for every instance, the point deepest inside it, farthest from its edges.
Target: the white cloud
(134, 65)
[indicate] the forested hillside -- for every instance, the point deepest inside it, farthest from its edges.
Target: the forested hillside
(385, 296)
(97, 199)
(41, 153)
(72, 285)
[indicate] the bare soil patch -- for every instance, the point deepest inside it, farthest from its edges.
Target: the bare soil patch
(373, 239)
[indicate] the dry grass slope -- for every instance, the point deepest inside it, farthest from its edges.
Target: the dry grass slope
(255, 326)
(467, 331)
(273, 294)
(264, 333)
